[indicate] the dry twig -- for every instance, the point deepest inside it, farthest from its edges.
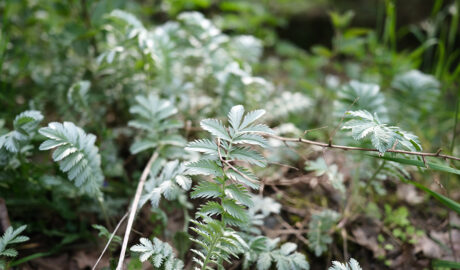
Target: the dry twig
(4, 218)
(353, 148)
(110, 240)
(227, 162)
(134, 206)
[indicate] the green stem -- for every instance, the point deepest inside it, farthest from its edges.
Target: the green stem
(389, 37)
(447, 183)
(108, 224)
(371, 179)
(31, 257)
(54, 250)
(452, 144)
(208, 256)
(453, 27)
(87, 21)
(4, 39)
(186, 219)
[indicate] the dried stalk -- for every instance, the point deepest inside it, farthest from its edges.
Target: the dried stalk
(353, 148)
(134, 206)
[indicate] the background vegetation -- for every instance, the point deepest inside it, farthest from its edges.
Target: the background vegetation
(97, 94)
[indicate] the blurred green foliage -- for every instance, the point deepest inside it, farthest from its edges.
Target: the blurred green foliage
(85, 61)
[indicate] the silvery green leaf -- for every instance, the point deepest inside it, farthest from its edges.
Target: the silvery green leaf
(363, 96)
(204, 167)
(12, 236)
(251, 117)
(216, 128)
(203, 145)
(76, 153)
(158, 252)
(248, 155)
(351, 265)
(287, 248)
(240, 194)
(383, 137)
(264, 262)
(184, 181)
(235, 116)
(206, 190)
(319, 166)
(318, 230)
(298, 103)
(419, 90)
(25, 126)
(126, 17)
(364, 123)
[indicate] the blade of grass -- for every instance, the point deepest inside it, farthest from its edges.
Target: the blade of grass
(446, 264)
(418, 163)
(451, 204)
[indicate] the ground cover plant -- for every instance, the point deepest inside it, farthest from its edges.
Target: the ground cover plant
(195, 135)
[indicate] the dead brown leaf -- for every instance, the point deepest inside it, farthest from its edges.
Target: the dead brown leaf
(368, 240)
(430, 248)
(409, 194)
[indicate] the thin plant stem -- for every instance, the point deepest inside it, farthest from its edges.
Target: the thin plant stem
(110, 239)
(108, 224)
(134, 207)
(449, 213)
(454, 136)
(331, 136)
(353, 148)
(374, 175)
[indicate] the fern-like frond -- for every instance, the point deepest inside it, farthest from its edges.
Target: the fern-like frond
(232, 199)
(240, 194)
(153, 108)
(252, 139)
(27, 122)
(417, 89)
(264, 253)
(207, 190)
(204, 167)
(104, 233)
(250, 118)
(239, 125)
(211, 208)
(318, 230)
(170, 182)
(248, 155)
(278, 108)
(364, 124)
(235, 210)
(77, 95)
(235, 116)
(76, 153)
(320, 168)
(247, 48)
(204, 146)
(218, 243)
(25, 125)
(159, 253)
(12, 236)
(152, 117)
(216, 128)
(127, 18)
(265, 205)
(383, 137)
(351, 265)
(244, 176)
(363, 96)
